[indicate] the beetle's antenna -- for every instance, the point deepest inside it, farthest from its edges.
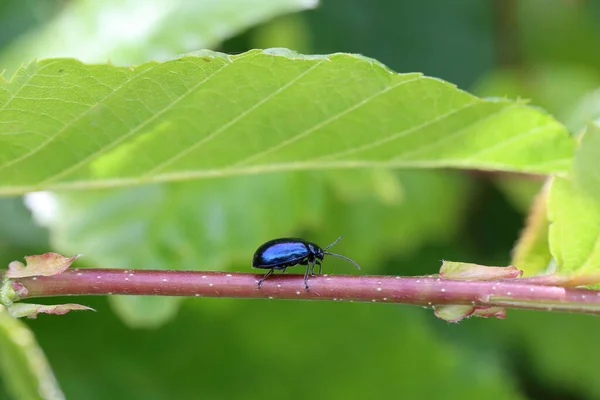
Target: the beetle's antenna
(333, 244)
(341, 256)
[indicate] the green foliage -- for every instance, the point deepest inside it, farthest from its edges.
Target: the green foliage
(105, 126)
(327, 129)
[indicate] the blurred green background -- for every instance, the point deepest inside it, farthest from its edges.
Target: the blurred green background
(394, 222)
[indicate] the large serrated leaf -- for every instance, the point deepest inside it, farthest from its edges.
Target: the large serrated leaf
(214, 115)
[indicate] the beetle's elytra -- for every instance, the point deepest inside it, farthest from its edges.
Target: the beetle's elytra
(286, 252)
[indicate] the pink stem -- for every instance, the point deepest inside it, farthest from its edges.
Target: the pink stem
(424, 291)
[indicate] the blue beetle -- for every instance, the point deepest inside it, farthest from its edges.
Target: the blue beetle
(287, 252)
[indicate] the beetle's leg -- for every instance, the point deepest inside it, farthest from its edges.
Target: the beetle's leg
(283, 270)
(306, 275)
(320, 267)
(265, 277)
(312, 269)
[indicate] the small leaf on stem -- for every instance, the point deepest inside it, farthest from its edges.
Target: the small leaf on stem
(455, 313)
(20, 310)
(476, 272)
(47, 264)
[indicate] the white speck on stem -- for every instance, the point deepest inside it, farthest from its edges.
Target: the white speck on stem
(549, 308)
(327, 279)
(203, 276)
(126, 279)
(335, 298)
(493, 287)
(397, 277)
(278, 285)
(34, 278)
(298, 292)
(374, 301)
(443, 290)
(131, 274)
(473, 303)
(326, 275)
(532, 290)
(379, 289)
(197, 295)
(98, 277)
(430, 303)
(385, 299)
(228, 275)
(438, 279)
(165, 280)
(210, 284)
(79, 274)
(109, 293)
(583, 297)
(379, 282)
(508, 293)
(418, 281)
(270, 297)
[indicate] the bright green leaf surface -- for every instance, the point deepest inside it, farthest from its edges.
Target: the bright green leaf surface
(215, 115)
(575, 228)
(136, 31)
(586, 168)
(25, 370)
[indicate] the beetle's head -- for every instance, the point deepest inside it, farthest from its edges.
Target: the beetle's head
(316, 250)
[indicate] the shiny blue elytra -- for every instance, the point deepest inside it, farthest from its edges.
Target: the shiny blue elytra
(287, 252)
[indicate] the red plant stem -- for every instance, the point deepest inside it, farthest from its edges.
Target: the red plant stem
(424, 291)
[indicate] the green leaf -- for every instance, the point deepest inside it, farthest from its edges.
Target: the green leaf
(25, 370)
(586, 169)
(216, 115)
(574, 229)
(141, 30)
(532, 254)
